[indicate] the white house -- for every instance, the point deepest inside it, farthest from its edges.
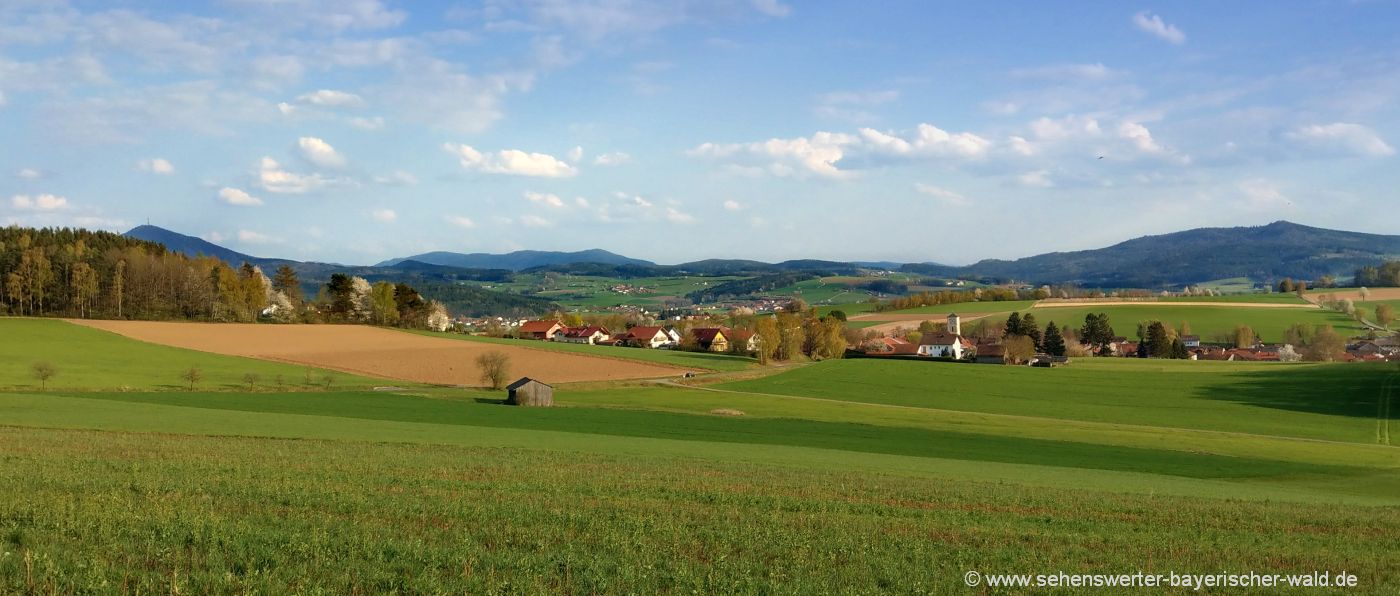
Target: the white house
(583, 335)
(649, 337)
(947, 344)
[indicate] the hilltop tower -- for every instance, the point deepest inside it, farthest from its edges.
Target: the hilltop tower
(954, 327)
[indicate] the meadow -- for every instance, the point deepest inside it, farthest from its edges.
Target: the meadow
(93, 359)
(856, 476)
(1211, 323)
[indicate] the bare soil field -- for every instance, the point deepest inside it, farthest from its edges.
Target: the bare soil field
(380, 352)
(1355, 294)
(892, 317)
(891, 321)
(1117, 302)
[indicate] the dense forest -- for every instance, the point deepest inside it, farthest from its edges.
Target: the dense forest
(1385, 275)
(87, 274)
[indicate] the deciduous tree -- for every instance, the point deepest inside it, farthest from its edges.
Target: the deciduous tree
(494, 367)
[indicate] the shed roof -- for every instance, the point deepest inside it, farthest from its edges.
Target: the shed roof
(526, 381)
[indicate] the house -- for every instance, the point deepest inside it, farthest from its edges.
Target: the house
(673, 334)
(590, 335)
(647, 337)
(540, 329)
(529, 392)
(948, 344)
(746, 340)
(1191, 341)
(710, 339)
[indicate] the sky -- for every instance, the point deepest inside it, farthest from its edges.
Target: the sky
(354, 131)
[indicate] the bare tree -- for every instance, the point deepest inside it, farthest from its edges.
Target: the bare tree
(495, 369)
(43, 371)
(193, 375)
(251, 379)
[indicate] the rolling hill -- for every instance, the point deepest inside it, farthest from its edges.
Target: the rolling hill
(518, 260)
(191, 246)
(1262, 253)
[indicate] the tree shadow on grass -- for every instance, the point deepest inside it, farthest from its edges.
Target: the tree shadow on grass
(1335, 390)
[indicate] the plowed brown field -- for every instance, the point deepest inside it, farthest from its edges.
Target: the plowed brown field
(380, 352)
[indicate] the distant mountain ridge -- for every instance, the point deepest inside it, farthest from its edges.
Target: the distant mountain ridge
(518, 260)
(1262, 253)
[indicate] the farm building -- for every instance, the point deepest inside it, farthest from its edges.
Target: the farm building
(991, 354)
(529, 392)
(540, 329)
(746, 340)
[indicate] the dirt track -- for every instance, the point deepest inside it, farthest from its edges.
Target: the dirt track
(380, 352)
(891, 321)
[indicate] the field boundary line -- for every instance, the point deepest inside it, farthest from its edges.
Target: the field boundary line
(1383, 405)
(1113, 425)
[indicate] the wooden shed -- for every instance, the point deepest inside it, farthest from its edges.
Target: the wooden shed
(529, 392)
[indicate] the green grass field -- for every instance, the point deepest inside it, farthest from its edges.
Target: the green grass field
(1209, 322)
(92, 359)
(854, 476)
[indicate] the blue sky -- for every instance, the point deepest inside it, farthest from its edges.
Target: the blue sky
(359, 130)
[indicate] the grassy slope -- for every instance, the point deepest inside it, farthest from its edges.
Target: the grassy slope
(92, 359)
(1332, 402)
(1206, 321)
(257, 515)
(716, 362)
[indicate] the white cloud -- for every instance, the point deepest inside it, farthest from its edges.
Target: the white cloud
(320, 153)
(1139, 136)
(1263, 195)
(1021, 146)
(927, 140)
(542, 198)
(234, 196)
(733, 205)
(575, 154)
(43, 202)
(675, 215)
(330, 98)
(1342, 137)
(384, 215)
(156, 165)
(817, 154)
(251, 237)
(535, 221)
(853, 106)
(286, 109)
(29, 174)
(1060, 72)
(612, 159)
(272, 177)
(772, 8)
(1155, 26)
(461, 222)
(511, 161)
(1036, 179)
(397, 178)
(1071, 126)
(945, 196)
(822, 153)
(375, 123)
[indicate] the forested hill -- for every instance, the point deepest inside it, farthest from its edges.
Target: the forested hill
(1263, 253)
(191, 246)
(519, 260)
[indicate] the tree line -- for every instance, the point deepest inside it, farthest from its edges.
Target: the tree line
(95, 274)
(1386, 274)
